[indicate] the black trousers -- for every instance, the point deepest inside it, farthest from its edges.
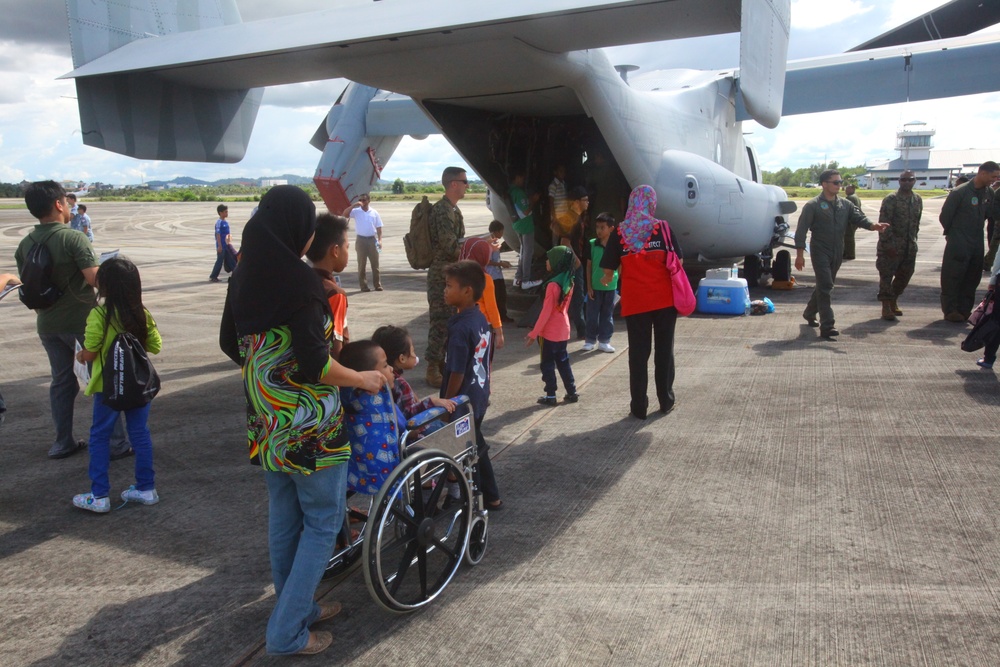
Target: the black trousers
(500, 291)
(651, 331)
(485, 479)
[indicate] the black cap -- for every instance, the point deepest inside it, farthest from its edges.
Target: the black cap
(577, 193)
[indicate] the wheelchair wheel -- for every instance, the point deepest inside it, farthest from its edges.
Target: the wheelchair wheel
(479, 535)
(414, 541)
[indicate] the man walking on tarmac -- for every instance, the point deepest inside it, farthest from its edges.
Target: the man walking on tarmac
(827, 217)
(896, 256)
(446, 228)
(962, 217)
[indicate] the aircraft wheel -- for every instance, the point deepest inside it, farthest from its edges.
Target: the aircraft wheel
(752, 270)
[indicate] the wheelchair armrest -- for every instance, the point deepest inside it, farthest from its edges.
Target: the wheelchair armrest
(431, 414)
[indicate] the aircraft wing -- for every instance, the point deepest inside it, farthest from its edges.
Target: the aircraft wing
(955, 19)
(182, 79)
(890, 75)
(382, 44)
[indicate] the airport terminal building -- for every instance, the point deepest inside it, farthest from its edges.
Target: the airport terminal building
(934, 169)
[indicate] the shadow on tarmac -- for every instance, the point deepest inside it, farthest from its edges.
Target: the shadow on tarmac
(547, 492)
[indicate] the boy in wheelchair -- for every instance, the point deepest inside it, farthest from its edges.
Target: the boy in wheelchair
(373, 421)
(378, 433)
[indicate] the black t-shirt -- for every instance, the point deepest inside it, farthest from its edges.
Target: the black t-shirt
(468, 354)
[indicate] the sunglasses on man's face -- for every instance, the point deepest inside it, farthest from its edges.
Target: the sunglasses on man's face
(834, 182)
(907, 179)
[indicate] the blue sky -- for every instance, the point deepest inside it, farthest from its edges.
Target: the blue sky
(40, 136)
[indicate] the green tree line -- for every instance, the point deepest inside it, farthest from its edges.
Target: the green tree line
(786, 177)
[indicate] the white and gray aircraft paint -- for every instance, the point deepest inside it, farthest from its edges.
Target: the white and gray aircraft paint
(513, 85)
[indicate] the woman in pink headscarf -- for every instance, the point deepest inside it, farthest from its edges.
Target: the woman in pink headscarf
(638, 252)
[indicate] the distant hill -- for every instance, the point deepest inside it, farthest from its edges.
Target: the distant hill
(292, 179)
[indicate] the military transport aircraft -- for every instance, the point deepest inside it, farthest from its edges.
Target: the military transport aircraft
(513, 85)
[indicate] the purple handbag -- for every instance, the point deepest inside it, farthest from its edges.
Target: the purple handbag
(985, 307)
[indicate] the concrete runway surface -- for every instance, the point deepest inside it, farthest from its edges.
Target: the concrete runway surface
(807, 503)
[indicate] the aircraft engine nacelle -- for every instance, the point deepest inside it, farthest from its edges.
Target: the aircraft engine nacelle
(715, 214)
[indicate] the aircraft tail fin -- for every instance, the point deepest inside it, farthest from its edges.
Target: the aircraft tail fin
(354, 153)
(145, 115)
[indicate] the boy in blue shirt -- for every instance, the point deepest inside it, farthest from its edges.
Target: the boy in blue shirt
(600, 297)
(222, 241)
(467, 361)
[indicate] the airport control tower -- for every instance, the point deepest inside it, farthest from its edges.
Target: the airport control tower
(914, 143)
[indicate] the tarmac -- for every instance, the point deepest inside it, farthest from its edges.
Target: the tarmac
(807, 502)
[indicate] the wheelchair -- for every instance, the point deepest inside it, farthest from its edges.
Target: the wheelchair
(416, 535)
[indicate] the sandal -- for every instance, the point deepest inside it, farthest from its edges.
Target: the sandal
(318, 641)
(495, 506)
(328, 611)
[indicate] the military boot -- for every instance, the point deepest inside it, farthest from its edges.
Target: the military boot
(887, 313)
(434, 378)
(895, 308)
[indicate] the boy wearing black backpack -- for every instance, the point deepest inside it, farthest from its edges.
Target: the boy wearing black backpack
(58, 269)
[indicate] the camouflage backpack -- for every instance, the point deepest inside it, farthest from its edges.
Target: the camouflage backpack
(418, 245)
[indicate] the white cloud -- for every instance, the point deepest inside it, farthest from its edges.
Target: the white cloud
(816, 14)
(861, 136)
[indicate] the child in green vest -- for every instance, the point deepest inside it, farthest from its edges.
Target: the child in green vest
(600, 297)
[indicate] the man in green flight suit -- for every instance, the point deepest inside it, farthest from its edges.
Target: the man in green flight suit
(896, 256)
(827, 217)
(962, 217)
(447, 228)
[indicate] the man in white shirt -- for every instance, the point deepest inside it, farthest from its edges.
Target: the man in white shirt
(368, 225)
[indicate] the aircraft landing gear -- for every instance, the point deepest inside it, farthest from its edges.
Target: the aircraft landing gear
(753, 267)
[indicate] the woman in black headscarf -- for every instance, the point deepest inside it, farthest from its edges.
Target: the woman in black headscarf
(277, 325)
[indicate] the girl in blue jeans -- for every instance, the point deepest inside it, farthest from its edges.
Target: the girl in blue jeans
(119, 286)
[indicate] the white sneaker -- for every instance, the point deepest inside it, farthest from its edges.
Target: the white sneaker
(134, 495)
(605, 347)
(530, 284)
(587, 347)
(87, 501)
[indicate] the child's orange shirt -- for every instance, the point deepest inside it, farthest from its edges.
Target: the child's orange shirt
(488, 304)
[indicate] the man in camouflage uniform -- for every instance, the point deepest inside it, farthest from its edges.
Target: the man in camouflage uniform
(962, 218)
(446, 228)
(896, 256)
(824, 220)
(849, 234)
